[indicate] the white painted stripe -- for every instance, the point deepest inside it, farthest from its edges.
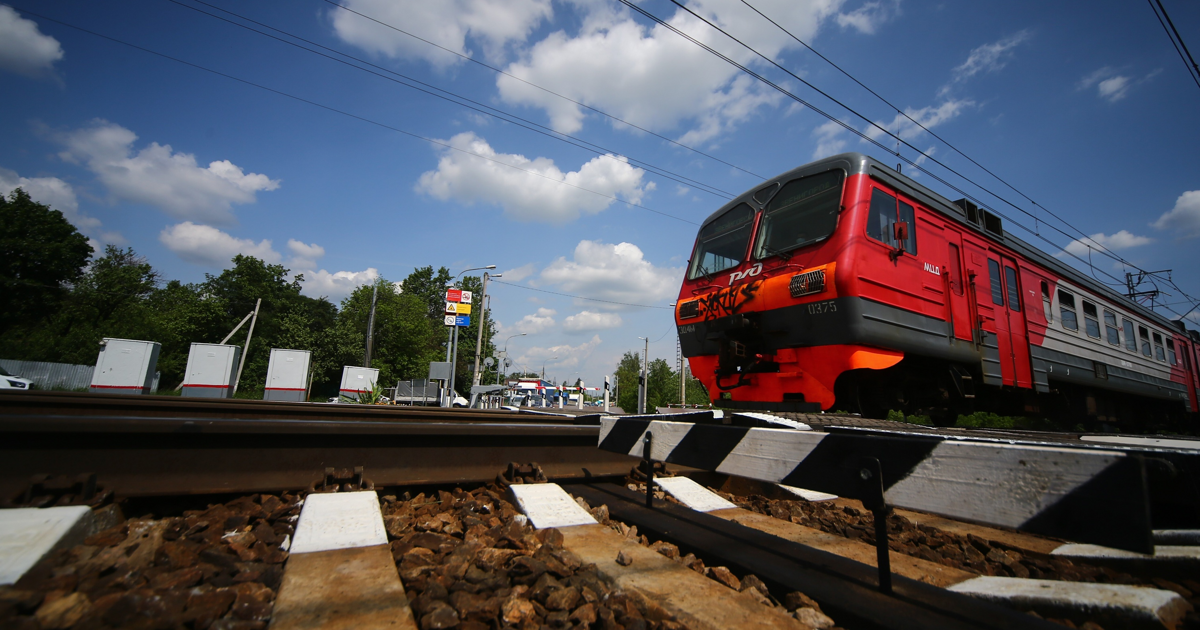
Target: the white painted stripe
(666, 436)
(766, 417)
(548, 505)
(1193, 445)
(341, 520)
(28, 534)
(769, 454)
(1001, 484)
(692, 494)
(1151, 606)
(1161, 552)
(809, 495)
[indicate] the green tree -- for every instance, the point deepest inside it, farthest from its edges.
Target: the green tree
(41, 255)
(405, 340)
(628, 371)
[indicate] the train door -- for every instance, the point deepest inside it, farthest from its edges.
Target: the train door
(958, 299)
(1010, 320)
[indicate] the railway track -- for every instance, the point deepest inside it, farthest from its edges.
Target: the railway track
(223, 503)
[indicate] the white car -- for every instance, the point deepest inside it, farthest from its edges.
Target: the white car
(10, 381)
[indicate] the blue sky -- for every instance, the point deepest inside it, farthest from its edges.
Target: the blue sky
(1089, 113)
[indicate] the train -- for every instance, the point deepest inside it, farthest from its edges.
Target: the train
(845, 285)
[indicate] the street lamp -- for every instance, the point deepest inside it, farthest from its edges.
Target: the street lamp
(482, 323)
(452, 357)
(504, 353)
(544, 366)
(642, 384)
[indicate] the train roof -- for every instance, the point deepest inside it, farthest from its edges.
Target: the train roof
(858, 163)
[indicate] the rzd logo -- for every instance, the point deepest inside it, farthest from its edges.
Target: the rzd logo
(749, 273)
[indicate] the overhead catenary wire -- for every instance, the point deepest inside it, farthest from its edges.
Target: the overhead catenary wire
(450, 96)
(1176, 41)
(345, 113)
(899, 140)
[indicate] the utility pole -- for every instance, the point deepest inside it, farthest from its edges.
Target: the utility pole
(642, 379)
(246, 348)
(682, 373)
(371, 326)
(482, 323)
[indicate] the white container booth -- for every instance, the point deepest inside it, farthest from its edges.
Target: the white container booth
(125, 366)
(211, 369)
(356, 380)
(287, 375)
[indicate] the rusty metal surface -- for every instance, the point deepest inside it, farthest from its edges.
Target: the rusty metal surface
(183, 449)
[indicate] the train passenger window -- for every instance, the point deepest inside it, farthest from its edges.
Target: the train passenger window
(722, 243)
(955, 270)
(1110, 328)
(1046, 302)
(997, 283)
(1014, 294)
(1090, 321)
(1130, 338)
(909, 216)
(883, 216)
(1066, 309)
(1172, 358)
(1144, 335)
(1159, 353)
(803, 212)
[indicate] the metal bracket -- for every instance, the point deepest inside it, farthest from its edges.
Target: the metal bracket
(521, 474)
(870, 475)
(342, 480)
(647, 442)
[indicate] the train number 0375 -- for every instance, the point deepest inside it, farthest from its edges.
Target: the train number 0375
(819, 308)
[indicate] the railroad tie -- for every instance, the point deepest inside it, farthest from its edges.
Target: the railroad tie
(695, 600)
(340, 573)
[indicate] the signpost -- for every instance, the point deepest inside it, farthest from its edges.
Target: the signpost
(458, 315)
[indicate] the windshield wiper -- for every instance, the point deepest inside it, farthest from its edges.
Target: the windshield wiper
(785, 255)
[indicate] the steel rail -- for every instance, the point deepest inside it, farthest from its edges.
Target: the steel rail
(847, 590)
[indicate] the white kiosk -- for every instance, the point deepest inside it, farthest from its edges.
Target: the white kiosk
(357, 380)
(125, 366)
(287, 375)
(211, 368)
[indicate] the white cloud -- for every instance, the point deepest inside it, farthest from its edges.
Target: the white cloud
(921, 159)
(870, 16)
(534, 323)
(1184, 218)
(618, 273)
(336, 285)
(1114, 242)
(928, 117)
(588, 321)
(1111, 85)
(23, 47)
(829, 141)
(568, 356)
(304, 256)
(653, 78)
(519, 273)
(158, 176)
(205, 245)
(536, 190)
(988, 57)
(447, 23)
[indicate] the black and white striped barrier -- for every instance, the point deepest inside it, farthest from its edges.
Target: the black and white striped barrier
(1085, 495)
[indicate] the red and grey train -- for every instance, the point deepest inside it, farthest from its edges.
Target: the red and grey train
(844, 284)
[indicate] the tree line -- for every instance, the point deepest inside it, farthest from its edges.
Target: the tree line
(58, 300)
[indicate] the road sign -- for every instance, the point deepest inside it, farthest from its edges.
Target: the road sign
(466, 297)
(449, 320)
(463, 309)
(454, 295)
(462, 320)
(451, 307)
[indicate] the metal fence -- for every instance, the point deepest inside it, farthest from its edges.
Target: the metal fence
(51, 375)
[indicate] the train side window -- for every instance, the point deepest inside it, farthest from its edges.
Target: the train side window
(955, 270)
(1110, 328)
(883, 216)
(1066, 309)
(997, 282)
(1046, 302)
(1144, 335)
(1090, 320)
(1159, 353)
(1014, 294)
(909, 215)
(1172, 358)
(1130, 338)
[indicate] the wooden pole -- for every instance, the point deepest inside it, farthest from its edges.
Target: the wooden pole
(246, 348)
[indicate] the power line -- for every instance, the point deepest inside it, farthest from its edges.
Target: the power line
(474, 105)
(1176, 40)
(546, 90)
(347, 114)
(580, 297)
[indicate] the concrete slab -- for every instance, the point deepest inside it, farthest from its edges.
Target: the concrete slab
(692, 494)
(548, 505)
(696, 601)
(28, 534)
(342, 589)
(1111, 605)
(1176, 536)
(1161, 552)
(809, 495)
(907, 566)
(768, 420)
(1170, 561)
(340, 520)
(1191, 445)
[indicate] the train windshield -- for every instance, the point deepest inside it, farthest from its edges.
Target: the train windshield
(722, 243)
(805, 211)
